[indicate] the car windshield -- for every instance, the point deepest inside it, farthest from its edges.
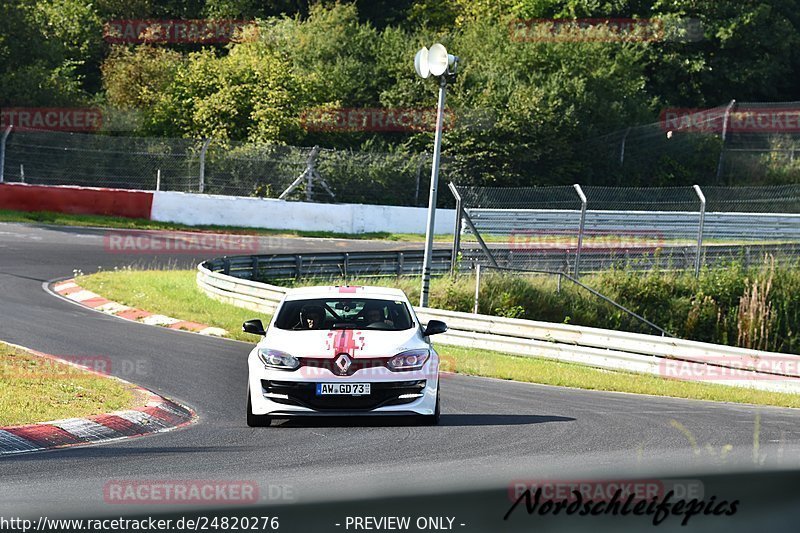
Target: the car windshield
(344, 313)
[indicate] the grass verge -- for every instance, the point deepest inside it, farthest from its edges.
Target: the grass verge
(169, 292)
(38, 389)
(175, 294)
(61, 219)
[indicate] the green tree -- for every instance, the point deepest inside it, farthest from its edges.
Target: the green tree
(49, 52)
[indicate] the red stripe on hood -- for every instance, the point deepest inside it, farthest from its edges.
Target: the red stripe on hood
(345, 290)
(346, 341)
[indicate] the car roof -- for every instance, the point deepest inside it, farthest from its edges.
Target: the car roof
(346, 291)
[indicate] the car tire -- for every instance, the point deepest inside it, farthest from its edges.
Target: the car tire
(256, 421)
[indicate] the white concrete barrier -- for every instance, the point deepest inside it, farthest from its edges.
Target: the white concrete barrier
(210, 209)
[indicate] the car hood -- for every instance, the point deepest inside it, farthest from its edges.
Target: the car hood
(358, 343)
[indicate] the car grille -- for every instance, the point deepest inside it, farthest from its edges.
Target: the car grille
(328, 363)
(382, 394)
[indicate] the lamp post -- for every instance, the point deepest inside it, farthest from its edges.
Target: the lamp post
(439, 63)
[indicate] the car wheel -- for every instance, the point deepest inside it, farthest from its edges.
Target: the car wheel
(256, 421)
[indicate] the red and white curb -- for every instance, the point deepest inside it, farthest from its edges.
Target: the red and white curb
(72, 291)
(158, 415)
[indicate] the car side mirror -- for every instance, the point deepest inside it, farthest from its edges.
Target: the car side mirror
(255, 326)
(434, 327)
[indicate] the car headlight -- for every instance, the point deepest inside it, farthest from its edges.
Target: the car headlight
(278, 359)
(410, 360)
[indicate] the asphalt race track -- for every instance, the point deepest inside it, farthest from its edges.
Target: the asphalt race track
(491, 430)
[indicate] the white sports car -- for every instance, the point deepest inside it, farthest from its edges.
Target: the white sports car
(343, 351)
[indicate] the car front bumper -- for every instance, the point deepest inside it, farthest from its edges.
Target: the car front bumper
(293, 393)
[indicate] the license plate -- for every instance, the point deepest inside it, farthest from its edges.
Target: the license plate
(344, 389)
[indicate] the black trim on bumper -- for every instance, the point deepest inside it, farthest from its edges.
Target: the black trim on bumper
(382, 394)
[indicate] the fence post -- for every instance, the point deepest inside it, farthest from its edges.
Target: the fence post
(481, 242)
(422, 159)
(3, 151)
(202, 185)
(697, 255)
(580, 229)
(477, 288)
(622, 147)
(312, 159)
(253, 267)
(456, 229)
(158, 180)
(725, 120)
(22, 173)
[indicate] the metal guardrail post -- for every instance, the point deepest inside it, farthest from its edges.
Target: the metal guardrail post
(580, 229)
(457, 228)
(698, 254)
(6, 133)
(474, 231)
(202, 184)
(477, 288)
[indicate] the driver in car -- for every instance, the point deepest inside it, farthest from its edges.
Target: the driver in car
(311, 318)
(374, 317)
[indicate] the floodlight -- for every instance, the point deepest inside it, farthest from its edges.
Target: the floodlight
(439, 60)
(421, 63)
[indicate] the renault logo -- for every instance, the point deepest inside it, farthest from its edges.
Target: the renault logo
(343, 363)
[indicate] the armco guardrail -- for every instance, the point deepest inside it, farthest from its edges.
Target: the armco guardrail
(370, 264)
(599, 348)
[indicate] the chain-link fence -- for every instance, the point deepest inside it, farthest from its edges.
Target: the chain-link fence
(216, 167)
(761, 144)
(581, 229)
(736, 144)
(57, 158)
(741, 143)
